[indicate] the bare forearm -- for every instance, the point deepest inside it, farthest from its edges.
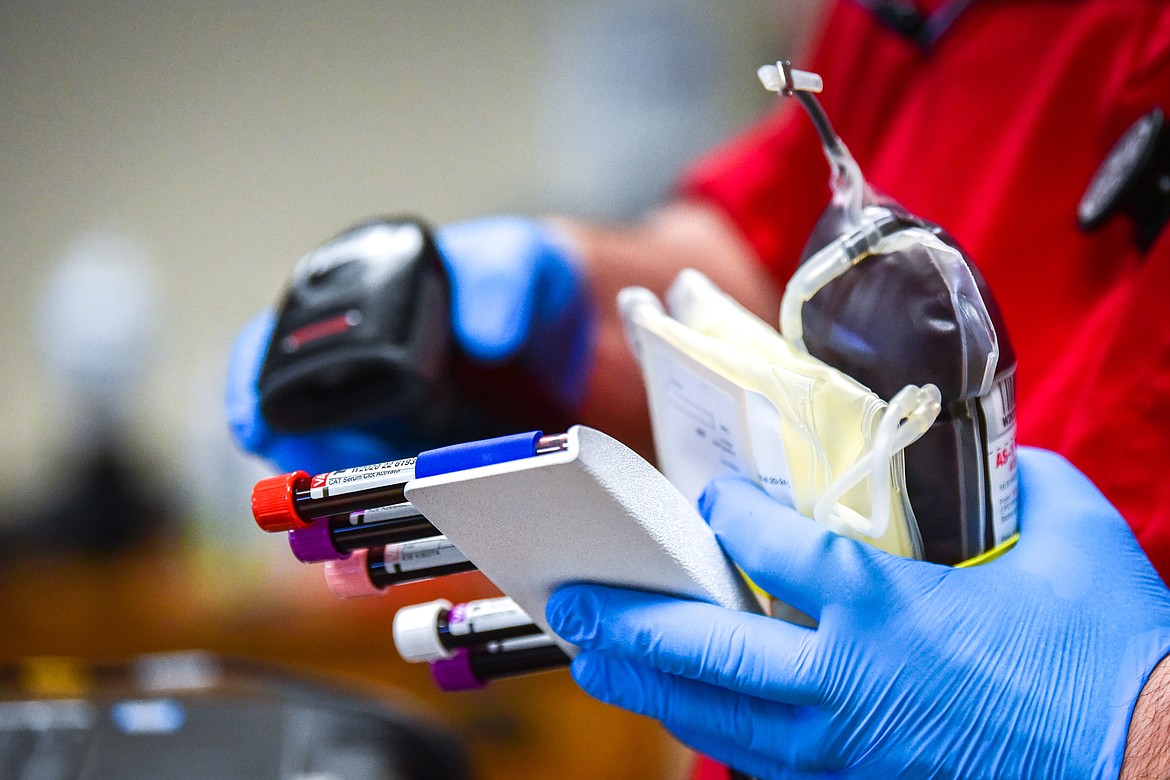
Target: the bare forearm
(676, 236)
(1147, 749)
(650, 254)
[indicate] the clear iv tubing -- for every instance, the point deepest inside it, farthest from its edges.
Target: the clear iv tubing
(849, 187)
(910, 414)
(830, 262)
(848, 191)
(802, 84)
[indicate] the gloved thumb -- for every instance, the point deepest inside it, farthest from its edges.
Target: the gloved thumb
(492, 264)
(1058, 502)
(784, 552)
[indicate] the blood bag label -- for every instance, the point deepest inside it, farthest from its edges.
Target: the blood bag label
(426, 554)
(362, 478)
(999, 412)
(705, 426)
(765, 434)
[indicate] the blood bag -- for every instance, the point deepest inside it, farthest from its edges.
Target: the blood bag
(890, 299)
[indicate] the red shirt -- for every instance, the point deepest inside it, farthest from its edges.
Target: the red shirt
(994, 134)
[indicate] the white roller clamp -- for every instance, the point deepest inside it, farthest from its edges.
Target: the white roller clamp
(416, 632)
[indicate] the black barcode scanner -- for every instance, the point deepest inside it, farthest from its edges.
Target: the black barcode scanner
(363, 338)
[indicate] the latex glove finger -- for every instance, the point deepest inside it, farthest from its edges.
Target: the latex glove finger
(492, 264)
(519, 291)
(1048, 480)
(742, 652)
(736, 728)
(787, 554)
(243, 395)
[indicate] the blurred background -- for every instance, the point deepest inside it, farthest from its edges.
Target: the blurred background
(163, 167)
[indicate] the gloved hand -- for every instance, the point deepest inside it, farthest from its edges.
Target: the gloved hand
(315, 452)
(1027, 666)
(518, 293)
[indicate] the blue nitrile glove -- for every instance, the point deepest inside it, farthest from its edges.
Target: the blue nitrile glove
(315, 452)
(1027, 666)
(518, 292)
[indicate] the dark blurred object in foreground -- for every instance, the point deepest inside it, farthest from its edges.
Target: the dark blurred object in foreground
(194, 715)
(106, 501)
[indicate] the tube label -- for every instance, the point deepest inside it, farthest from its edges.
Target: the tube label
(334, 483)
(999, 414)
(519, 643)
(475, 617)
(423, 554)
(379, 514)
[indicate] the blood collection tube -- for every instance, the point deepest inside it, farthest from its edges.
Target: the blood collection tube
(435, 630)
(470, 668)
(294, 500)
(334, 538)
(367, 572)
(290, 501)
